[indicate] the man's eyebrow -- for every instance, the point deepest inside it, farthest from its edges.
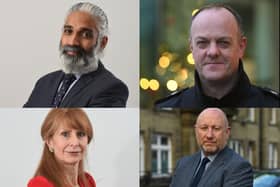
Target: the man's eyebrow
(67, 26)
(200, 38)
(86, 29)
(225, 38)
(219, 38)
(82, 29)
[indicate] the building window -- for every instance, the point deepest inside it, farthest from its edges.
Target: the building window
(251, 148)
(272, 156)
(236, 145)
(142, 157)
(273, 117)
(161, 155)
(251, 115)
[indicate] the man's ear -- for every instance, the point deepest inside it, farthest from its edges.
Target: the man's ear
(242, 46)
(190, 44)
(104, 42)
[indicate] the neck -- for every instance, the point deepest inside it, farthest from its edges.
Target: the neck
(218, 89)
(72, 172)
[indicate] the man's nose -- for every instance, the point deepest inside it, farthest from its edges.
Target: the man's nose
(74, 40)
(213, 50)
(209, 133)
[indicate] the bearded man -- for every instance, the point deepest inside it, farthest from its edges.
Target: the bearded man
(83, 80)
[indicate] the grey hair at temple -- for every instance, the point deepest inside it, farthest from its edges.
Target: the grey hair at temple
(96, 12)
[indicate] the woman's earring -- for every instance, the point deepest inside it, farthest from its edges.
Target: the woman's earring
(51, 150)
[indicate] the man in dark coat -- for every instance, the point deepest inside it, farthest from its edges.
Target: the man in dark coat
(218, 44)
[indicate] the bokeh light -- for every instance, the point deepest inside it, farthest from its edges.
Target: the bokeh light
(194, 11)
(190, 59)
(154, 85)
(144, 83)
(184, 74)
(164, 61)
(172, 85)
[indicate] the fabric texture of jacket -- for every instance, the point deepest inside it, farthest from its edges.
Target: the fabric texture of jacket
(244, 94)
(99, 88)
(228, 169)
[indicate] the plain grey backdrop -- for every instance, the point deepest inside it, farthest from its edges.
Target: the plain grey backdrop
(113, 156)
(30, 34)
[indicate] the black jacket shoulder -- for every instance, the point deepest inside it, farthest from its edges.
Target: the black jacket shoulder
(266, 97)
(173, 100)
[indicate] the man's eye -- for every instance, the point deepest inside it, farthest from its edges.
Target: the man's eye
(202, 44)
(223, 44)
(204, 128)
(217, 128)
(81, 134)
(87, 34)
(67, 31)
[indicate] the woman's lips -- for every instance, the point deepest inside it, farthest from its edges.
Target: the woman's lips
(74, 152)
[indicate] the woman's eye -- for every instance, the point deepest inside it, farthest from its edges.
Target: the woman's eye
(65, 134)
(81, 134)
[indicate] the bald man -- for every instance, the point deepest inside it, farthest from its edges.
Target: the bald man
(215, 165)
(218, 44)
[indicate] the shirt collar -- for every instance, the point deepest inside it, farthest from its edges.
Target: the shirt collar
(210, 157)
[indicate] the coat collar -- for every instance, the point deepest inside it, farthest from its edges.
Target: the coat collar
(239, 91)
(84, 80)
(218, 162)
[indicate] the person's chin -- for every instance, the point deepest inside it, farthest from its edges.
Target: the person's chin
(214, 76)
(210, 150)
(72, 161)
(72, 66)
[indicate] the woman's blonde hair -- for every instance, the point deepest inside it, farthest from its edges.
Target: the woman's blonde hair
(49, 167)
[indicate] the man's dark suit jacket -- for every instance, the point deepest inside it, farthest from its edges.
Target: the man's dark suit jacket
(227, 170)
(95, 89)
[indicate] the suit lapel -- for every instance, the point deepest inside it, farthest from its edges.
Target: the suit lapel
(219, 161)
(81, 84)
(53, 89)
(190, 168)
(78, 86)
